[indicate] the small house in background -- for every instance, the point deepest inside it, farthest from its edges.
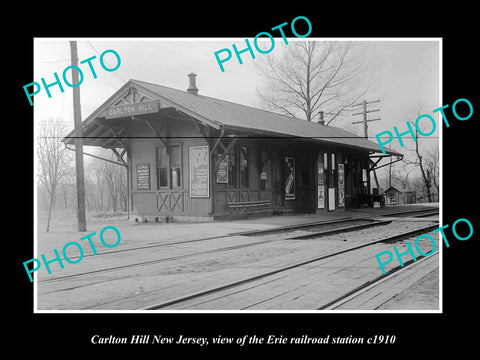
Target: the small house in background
(393, 196)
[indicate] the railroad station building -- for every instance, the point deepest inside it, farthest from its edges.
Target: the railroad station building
(194, 157)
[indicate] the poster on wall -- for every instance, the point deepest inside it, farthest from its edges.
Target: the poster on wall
(320, 174)
(331, 198)
(143, 176)
(222, 170)
(289, 178)
(341, 185)
(198, 160)
(321, 197)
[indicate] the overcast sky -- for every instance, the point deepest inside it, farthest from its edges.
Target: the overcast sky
(406, 73)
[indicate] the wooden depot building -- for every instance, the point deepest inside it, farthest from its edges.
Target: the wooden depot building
(193, 157)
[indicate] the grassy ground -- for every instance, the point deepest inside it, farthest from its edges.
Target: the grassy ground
(67, 220)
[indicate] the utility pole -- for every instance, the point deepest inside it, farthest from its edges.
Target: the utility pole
(77, 118)
(365, 122)
(364, 112)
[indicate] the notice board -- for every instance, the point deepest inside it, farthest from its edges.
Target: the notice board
(199, 166)
(289, 178)
(341, 185)
(222, 170)
(143, 176)
(331, 198)
(320, 185)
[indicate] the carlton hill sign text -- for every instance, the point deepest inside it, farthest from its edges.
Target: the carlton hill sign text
(146, 107)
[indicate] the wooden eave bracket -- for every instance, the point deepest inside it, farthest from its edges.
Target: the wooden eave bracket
(157, 135)
(219, 139)
(120, 156)
(225, 151)
(374, 164)
(123, 163)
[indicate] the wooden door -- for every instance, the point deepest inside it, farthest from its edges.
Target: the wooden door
(306, 183)
(277, 180)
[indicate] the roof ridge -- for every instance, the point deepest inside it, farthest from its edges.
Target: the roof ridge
(256, 108)
(227, 101)
(248, 106)
(148, 82)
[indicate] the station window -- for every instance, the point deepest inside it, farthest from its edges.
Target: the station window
(333, 172)
(326, 169)
(232, 167)
(162, 167)
(243, 166)
(176, 165)
(169, 166)
(365, 180)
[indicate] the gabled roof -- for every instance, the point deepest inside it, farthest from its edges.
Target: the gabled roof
(392, 189)
(236, 117)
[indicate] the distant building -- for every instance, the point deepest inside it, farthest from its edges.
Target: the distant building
(393, 196)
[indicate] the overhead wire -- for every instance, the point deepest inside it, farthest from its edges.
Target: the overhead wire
(115, 73)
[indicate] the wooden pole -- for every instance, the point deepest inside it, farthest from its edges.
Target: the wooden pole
(364, 112)
(365, 122)
(77, 118)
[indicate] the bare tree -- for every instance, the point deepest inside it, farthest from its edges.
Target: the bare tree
(432, 164)
(397, 175)
(94, 185)
(312, 76)
(54, 161)
(114, 181)
(110, 177)
(425, 172)
(427, 162)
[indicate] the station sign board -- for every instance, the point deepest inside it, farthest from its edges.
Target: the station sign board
(143, 176)
(146, 107)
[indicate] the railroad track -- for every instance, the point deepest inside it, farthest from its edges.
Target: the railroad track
(240, 233)
(427, 214)
(413, 213)
(86, 279)
(299, 264)
(316, 234)
(281, 229)
(359, 290)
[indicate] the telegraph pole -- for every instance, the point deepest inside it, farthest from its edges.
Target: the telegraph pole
(77, 118)
(364, 112)
(365, 122)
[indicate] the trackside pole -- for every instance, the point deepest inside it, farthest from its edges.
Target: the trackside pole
(77, 118)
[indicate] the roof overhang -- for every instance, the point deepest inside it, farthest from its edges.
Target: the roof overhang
(321, 140)
(101, 129)
(107, 126)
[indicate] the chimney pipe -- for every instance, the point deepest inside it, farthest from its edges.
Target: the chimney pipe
(192, 88)
(321, 121)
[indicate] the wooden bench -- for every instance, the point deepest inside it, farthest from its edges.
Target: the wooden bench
(249, 207)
